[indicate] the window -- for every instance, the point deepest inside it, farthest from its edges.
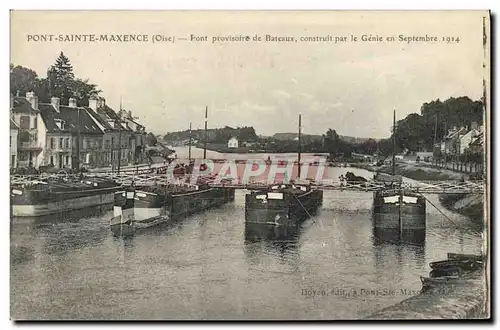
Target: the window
(51, 160)
(24, 122)
(67, 142)
(35, 123)
(10, 141)
(61, 140)
(67, 160)
(52, 143)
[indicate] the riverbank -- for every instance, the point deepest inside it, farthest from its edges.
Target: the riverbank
(466, 299)
(470, 205)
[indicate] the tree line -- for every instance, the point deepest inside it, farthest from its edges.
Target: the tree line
(60, 82)
(416, 132)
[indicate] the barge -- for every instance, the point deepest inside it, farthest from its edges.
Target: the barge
(34, 198)
(282, 204)
(394, 207)
(397, 208)
(138, 208)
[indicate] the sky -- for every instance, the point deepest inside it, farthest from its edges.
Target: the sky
(349, 86)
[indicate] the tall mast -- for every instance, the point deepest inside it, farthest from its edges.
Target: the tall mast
(189, 141)
(300, 144)
(394, 144)
(205, 135)
(119, 137)
(445, 143)
(435, 131)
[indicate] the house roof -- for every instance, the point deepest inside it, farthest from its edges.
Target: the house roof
(109, 114)
(455, 133)
(103, 123)
(13, 125)
(478, 141)
(22, 105)
(70, 116)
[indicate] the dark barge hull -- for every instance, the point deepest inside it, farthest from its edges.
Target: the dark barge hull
(281, 209)
(29, 202)
(393, 216)
(150, 209)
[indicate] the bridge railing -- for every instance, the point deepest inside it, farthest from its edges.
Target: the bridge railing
(144, 179)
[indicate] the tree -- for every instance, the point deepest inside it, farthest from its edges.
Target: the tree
(61, 79)
(151, 139)
(22, 80)
(83, 91)
(332, 143)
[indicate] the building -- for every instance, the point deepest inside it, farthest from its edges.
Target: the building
(26, 115)
(66, 126)
(114, 131)
(138, 139)
(14, 140)
(450, 143)
(232, 143)
(477, 141)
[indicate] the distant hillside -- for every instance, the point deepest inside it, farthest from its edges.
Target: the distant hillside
(214, 135)
(291, 136)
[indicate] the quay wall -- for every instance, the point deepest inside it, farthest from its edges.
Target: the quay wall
(468, 299)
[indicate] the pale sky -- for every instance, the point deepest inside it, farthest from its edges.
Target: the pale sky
(348, 86)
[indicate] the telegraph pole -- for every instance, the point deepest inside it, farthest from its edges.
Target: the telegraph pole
(190, 142)
(300, 144)
(119, 138)
(394, 144)
(205, 135)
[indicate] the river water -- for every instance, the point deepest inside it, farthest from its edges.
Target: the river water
(208, 266)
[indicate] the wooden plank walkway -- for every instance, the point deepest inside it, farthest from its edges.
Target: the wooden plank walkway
(143, 179)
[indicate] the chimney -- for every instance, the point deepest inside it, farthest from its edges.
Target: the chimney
(55, 101)
(94, 104)
(473, 125)
(11, 101)
(33, 99)
(72, 102)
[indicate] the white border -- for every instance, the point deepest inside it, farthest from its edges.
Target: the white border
(189, 4)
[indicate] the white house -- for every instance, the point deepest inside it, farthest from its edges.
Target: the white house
(32, 131)
(14, 130)
(232, 143)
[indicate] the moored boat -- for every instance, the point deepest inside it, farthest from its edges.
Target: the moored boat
(33, 198)
(459, 256)
(395, 207)
(463, 265)
(399, 209)
(282, 204)
(432, 282)
(144, 207)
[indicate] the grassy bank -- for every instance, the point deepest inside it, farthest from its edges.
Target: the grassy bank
(470, 205)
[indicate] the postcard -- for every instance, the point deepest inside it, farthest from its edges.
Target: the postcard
(250, 165)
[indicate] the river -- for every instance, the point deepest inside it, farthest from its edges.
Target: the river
(208, 267)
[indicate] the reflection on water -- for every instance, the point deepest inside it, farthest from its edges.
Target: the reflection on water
(395, 236)
(213, 266)
(282, 239)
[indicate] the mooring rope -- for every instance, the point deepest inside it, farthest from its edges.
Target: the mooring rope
(442, 213)
(302, 205)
